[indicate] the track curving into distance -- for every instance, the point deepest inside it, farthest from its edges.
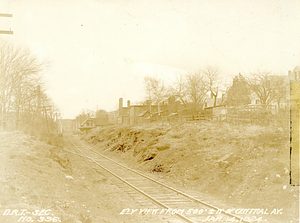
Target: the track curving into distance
(154, 194)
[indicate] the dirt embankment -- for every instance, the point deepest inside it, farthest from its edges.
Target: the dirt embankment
(243, 166)
(43, 180)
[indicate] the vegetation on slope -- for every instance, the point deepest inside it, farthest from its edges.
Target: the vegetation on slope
(245, 165)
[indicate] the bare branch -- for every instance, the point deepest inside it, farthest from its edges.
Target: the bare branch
(156, 90)
(20, 74)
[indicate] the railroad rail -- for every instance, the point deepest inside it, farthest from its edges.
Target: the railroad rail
(152, 193)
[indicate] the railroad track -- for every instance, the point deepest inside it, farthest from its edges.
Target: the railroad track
(156, 197)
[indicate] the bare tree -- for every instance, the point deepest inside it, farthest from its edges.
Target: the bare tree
(212, 74)
(191, 89)
(263, 86)
(179, 89)
(20, 74)
(155, 88)
(89, 113)
(280, 88)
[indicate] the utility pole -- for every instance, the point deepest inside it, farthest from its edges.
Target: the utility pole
(6, 31)
(38, 110)
(2, 107)
(46, 114)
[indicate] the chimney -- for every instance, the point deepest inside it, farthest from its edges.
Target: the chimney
(120, 106)
(128, 103)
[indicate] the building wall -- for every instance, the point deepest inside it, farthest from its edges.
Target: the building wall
(254, 99)
(78, 121)
(295, 74)
(136, 110)
(134, 113)
(113, 117)
(102, 121)
(219, 110)
(89, 123)
(172, 104)
(123, 120)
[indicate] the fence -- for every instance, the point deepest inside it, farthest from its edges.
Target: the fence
(253, 115)
(258, 115)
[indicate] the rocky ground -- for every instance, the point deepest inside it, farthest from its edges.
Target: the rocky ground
(40, 183)
(236, 166)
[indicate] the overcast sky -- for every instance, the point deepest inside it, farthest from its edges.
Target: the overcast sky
(96, 51)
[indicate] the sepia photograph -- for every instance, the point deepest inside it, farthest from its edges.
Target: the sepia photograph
(128, 111)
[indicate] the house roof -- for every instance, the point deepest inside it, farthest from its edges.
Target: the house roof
(97, 121)
(88, 119)
(144, 113)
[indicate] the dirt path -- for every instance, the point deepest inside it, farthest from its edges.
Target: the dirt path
(38, 183)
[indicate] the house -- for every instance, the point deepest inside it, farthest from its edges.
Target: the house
(138, 113)
(88, 124)
(209, 108)
(144, 117)
(295, 74)
(113, 117)
(91, 123)
(135, 114)
(254, 98)
(78, 121)
(145, 114)
(280, 100)
(123, 117)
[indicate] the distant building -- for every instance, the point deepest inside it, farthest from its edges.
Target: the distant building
(295, 74)
(113, 117)
(276, 103)
(91, 123)
(123, 118)
(209, 102)
(138, 112)
(135, 114)
(211, 110)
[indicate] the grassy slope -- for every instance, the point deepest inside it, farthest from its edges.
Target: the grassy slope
(36, 176)
(245, 165)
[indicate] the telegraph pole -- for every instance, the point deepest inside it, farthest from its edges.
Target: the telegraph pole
(2, 107)
(47, 108)
(6, 31)
(38, 93)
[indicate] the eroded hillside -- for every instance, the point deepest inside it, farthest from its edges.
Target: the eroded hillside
(242, 166)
